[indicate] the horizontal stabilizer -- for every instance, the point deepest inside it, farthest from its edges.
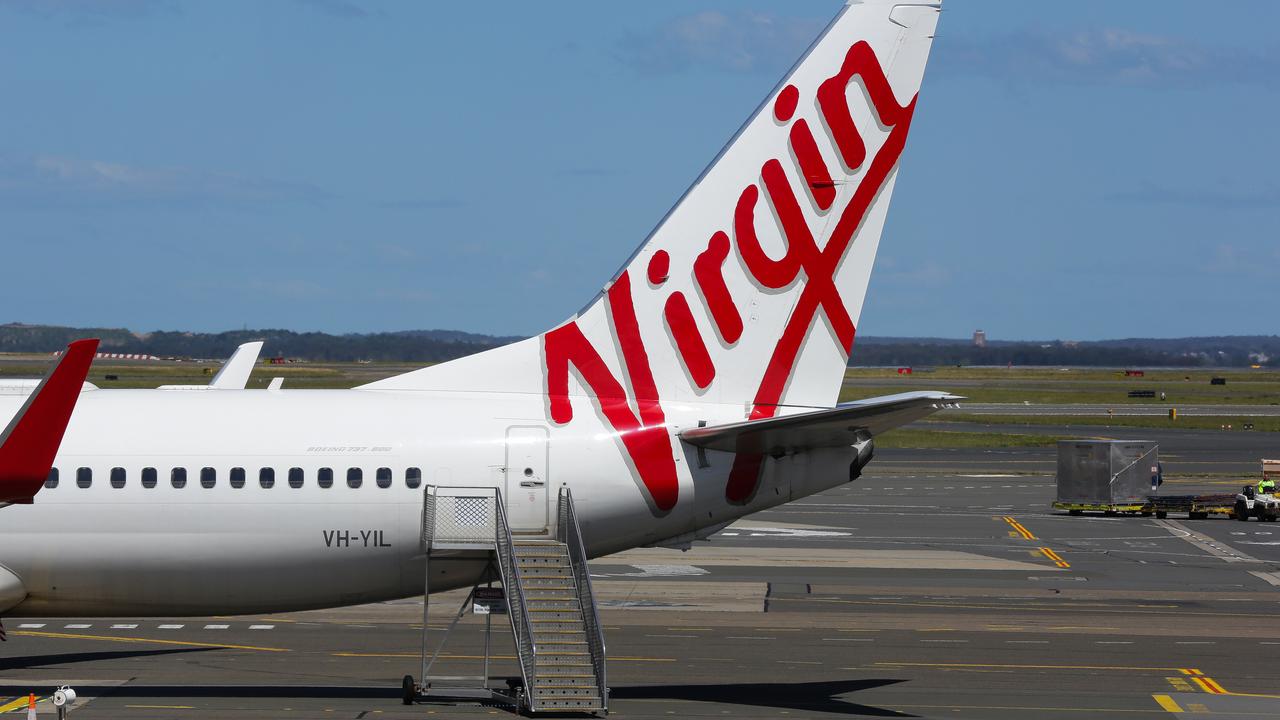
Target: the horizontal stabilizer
(840, 426)
(31, 440)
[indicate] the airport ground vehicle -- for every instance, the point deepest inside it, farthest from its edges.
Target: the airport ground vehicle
(1196, 507)
(1250, 503)
(1241, 506)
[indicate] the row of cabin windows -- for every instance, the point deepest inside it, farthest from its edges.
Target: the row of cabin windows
(208, 476)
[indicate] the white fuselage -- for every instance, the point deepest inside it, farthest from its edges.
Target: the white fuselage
(165, 550)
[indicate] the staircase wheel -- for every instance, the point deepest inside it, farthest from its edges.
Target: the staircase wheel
(408, 691)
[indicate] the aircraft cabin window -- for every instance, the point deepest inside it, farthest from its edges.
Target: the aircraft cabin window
(324, 478)
(84, 477)
(117, 477)
(237, 477)
(355, 476)
(383, 476)
(148, 477)
(295, 478)
(267, 477)
(413, 477)
(52, 480)
(208, 478)
(178, 477)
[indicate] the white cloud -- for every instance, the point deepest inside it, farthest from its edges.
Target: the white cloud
(736, 42)
(1102, 56)
(61, 181)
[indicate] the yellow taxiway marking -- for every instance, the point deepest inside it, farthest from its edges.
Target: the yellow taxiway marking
(1057, 559)
(1025, 607)
(118, 638)
(1022, 707)
(1167, 703)
(1180, 684)
(1019, 528)
(163, 707)
(18, 704)
(1135, 668)
(622, 658)
(1210, 685)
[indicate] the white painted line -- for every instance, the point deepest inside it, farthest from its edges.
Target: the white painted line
(850, 639)
(1114, 642)
(262, 627)
(749, 637)
(1195, 642)
(799, 662)
(124, 626)
(1218, 549)
(1027, 642)
(170, 627)
(945, 641)
(672, 636)
(216, 627)
(77, 626)
(33, 626)
(1270, 577)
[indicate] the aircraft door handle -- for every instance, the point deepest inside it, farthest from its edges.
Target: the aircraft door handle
(532, 483)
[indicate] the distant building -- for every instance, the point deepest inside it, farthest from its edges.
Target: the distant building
(980, 338)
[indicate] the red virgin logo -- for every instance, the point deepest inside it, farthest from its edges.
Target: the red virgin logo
(639, 420)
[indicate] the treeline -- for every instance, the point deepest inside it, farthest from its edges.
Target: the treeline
(425, 346)
(428, 346)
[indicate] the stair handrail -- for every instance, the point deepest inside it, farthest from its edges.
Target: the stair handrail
(570, 533)
(517, 609)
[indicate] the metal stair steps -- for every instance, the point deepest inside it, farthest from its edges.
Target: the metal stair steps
(564, 670)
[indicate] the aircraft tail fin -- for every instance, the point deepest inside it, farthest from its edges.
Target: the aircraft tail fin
(750, 289)
(30, 442)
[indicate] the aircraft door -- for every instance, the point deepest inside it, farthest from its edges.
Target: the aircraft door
(527, 481)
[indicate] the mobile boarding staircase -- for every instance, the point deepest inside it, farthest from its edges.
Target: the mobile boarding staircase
(545, 592)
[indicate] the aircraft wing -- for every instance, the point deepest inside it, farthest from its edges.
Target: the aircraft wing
(840, 426)
(30, 442)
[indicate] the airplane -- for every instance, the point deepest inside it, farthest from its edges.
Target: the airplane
(699, 386)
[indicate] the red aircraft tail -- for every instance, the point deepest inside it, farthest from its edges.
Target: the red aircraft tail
(30, 442)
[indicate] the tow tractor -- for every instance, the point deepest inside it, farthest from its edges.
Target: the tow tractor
(1264, 506)
(1251, 503)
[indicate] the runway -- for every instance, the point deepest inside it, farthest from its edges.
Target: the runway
(939, 585)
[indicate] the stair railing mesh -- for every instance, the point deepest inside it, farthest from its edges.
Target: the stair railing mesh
(570, 533)
(518, 610)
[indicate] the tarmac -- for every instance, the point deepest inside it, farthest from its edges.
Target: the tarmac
(939, 585)
(1121, 409)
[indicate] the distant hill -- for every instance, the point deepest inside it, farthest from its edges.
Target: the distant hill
(440, 345)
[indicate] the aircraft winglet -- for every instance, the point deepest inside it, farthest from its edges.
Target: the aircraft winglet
(29, 444)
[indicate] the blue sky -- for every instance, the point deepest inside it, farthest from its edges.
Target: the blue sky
(1084, 169)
